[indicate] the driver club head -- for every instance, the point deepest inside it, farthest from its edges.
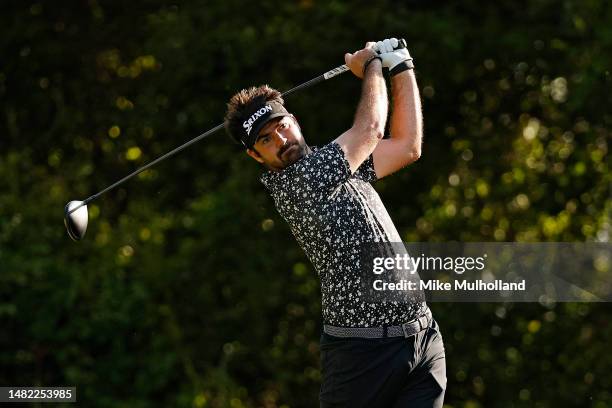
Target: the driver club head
(76, 222)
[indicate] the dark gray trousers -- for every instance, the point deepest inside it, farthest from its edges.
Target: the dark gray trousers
(389, 372)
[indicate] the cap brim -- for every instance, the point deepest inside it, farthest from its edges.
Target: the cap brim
(255, 131)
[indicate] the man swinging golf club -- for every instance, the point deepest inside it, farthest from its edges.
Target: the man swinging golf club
(373, 354)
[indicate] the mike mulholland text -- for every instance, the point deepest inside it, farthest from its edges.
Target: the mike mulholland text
(434, 284)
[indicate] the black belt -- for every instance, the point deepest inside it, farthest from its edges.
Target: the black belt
(403, 330)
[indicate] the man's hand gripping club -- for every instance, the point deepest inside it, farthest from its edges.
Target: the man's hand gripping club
(391, 52)
(358, 62)
(394, 54)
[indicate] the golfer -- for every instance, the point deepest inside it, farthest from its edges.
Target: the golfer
(373, 354)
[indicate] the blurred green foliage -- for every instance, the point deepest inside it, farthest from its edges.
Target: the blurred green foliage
(188, 289)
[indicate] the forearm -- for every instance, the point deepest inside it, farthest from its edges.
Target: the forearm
(368, 127)
(371, 114)
(406, 117)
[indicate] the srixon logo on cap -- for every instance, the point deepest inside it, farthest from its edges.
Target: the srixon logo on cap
(248, 124)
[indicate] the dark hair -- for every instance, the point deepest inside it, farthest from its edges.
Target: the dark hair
(240, 102)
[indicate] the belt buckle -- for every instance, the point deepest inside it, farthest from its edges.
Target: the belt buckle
(423, 322)
(403, 325)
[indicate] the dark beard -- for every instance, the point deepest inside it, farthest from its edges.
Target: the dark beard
(284, 149)
(293, 156)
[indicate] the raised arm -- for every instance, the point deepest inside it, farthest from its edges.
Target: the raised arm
(403, 147)
(369, 125)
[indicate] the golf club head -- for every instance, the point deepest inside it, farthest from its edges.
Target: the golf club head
(76, 222)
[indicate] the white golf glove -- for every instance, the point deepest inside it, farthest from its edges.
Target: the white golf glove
(396, 60)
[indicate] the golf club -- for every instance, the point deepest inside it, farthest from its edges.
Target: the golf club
(75, 213)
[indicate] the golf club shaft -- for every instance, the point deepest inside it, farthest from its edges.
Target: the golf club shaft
(329, 74)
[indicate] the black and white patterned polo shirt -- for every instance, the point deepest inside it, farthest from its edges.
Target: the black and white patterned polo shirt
(331, 212)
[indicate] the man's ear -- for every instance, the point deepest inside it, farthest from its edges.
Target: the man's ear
(255, 155)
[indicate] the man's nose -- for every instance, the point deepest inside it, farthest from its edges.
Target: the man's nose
(280, 138)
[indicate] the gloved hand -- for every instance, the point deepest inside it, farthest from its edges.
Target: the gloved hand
(396, 60)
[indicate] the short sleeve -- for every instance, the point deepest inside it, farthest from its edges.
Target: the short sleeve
(315, 176)
(366, 171)
(325, 169)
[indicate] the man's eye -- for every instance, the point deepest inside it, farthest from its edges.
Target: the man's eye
(264, 139)
(283, 125)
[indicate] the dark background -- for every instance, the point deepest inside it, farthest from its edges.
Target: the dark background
(188, 289)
